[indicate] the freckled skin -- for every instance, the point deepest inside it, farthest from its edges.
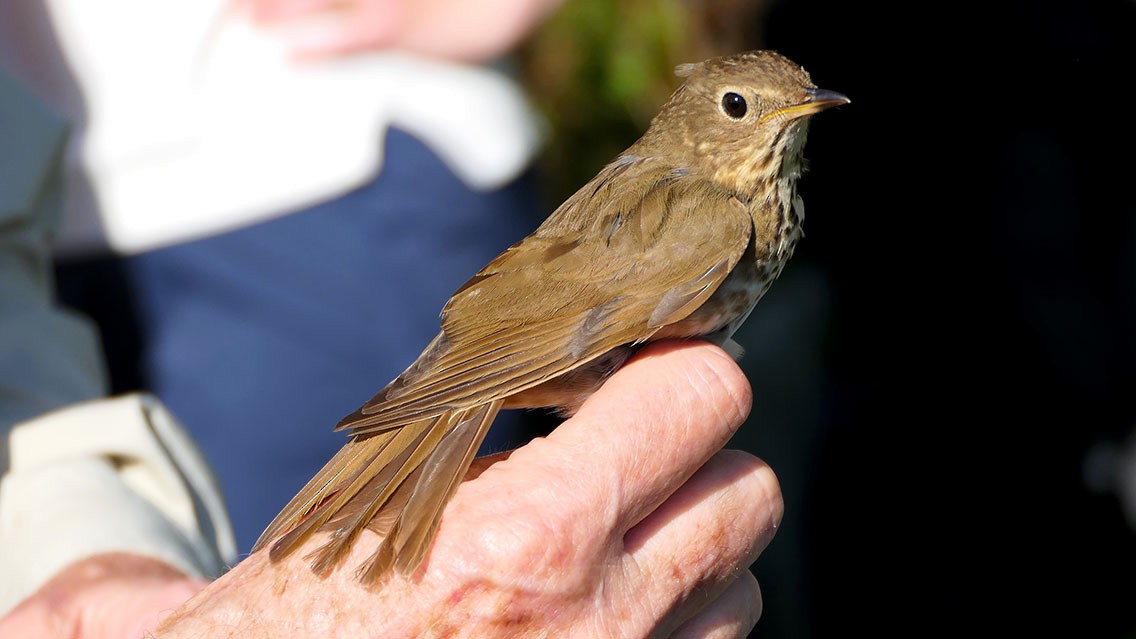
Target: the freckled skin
(678, 237)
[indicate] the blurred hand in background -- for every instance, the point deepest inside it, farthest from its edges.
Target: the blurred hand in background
(455, 30)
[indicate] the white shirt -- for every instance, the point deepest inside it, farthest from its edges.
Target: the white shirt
(191, 120)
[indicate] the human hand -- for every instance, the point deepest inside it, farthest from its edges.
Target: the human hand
(449, 29)
(627, 521)
(112, 595)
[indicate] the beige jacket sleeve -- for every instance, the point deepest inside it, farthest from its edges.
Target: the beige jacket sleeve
(103, 476)
(79, 475)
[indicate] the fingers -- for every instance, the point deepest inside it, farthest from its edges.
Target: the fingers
(552, 518)
(322, 28)
(278, 10)
(369, 26)
(694, 546)
(731, 616)
(652, 425)
(447, 29)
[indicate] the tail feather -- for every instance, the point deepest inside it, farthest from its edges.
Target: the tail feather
(315, 493)
(441, 475)
(335, 550)
(352, 474)
(395, 483)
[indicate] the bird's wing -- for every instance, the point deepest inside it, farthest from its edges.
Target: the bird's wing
(638, 248)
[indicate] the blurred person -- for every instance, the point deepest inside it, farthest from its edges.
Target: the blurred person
(268, 201)
(81, 477)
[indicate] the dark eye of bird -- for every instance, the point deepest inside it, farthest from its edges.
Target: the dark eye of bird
(734, 105)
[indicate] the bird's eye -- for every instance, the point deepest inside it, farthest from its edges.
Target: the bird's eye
(734, 105)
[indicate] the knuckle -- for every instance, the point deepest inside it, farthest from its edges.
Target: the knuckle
(752, 506)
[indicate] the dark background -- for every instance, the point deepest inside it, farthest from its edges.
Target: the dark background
(955, 335)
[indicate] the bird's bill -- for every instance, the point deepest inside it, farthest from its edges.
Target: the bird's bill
(819, 100)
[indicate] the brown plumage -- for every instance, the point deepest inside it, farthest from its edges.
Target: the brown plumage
(678, 237)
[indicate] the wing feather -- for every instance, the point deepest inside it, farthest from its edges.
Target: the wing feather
(606, 278)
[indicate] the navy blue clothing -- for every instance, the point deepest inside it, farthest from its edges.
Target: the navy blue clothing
(260, 339)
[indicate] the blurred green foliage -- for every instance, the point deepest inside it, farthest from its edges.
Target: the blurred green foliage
(599, 70)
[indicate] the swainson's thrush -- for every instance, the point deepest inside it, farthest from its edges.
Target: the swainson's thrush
(678, 237)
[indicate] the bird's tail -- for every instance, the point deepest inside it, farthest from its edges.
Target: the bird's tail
(395, 482)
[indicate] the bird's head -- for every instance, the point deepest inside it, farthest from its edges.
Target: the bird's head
(741, 119)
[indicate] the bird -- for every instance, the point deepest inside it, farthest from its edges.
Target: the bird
(678, 237)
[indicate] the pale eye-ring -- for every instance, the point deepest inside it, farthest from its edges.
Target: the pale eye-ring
(734, 105)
